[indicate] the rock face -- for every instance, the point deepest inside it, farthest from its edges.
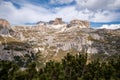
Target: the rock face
(41, 23)
(51, 22)
(55, 43)
(12, 48)
(4, 27)
(4, 23)
(83, 39)
(56, 21)
(80, 23)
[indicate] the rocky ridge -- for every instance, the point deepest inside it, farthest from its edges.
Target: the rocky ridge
(54, 40)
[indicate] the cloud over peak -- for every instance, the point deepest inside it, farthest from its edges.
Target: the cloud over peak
(92, 10)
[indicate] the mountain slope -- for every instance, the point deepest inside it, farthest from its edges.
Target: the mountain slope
(55, 40)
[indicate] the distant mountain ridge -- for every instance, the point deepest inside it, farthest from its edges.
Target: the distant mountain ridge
(53, 40)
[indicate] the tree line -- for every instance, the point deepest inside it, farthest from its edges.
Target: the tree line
(70, 68)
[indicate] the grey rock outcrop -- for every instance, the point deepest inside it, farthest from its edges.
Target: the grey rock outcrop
(4, 23)
(56, 21)
(4, 27)
(80, 23)
(41, 23)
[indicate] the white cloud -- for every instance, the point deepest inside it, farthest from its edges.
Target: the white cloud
(67, 13)
(98, 10)
(99, 4)
(60, 1)
(30, 13)
(102, 10)
(27, 13)
(112, 26)
(70, 12)
(105, 16)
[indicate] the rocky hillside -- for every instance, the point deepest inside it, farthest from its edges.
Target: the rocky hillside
(54, 39)
(11, 48)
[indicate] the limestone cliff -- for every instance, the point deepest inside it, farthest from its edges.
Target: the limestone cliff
(54, 41)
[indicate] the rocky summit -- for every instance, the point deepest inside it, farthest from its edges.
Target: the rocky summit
(83, 24)
(4, 23)
(4, 27)
(54, 39)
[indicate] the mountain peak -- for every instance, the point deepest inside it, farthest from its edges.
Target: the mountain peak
(59, 22)
(4, 23)
(4, 27)
(80, 22)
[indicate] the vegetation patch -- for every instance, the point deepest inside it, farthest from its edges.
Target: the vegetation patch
(70, 68)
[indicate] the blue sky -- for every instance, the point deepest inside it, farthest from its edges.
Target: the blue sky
(98, 12)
